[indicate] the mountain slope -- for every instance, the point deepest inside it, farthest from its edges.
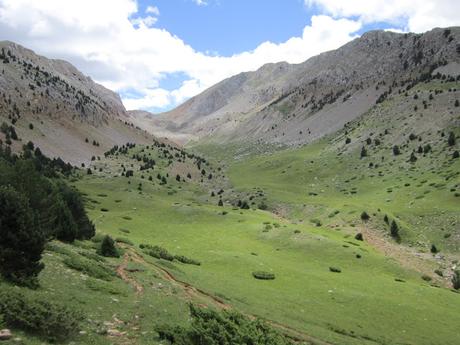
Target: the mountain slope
(55, 106)
(296, 104)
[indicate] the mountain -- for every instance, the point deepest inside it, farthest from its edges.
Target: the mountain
(296, 104)
(62, 111)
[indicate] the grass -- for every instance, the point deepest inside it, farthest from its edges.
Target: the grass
(328, 284)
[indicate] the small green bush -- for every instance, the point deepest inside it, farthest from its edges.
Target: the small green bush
(335, 269)
(157, 252)
(91, 268)
(456, 280)
(209, 327)
(186, 260)
(263, 275)
(37, 315)
(108, 248)
(124, 240)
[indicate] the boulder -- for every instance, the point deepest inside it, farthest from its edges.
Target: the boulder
(5, 334)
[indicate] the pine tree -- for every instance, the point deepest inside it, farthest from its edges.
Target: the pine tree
(396, 150)
(451, 139)
(363, 152)
(108, 247)
(364, 216)
(21, 240)
(394, 229)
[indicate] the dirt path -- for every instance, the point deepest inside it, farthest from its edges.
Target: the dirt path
(194, 294)
(123, 274)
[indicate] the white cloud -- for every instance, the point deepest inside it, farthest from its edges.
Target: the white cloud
(153, 10)
(109, 41)
(200, 2)
(413, 15)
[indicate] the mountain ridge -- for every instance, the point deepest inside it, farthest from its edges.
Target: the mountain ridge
(296, 104)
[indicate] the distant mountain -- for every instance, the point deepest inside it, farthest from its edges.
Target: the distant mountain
(296, 104)
(60, 110)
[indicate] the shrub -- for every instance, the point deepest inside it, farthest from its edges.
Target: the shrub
(386, 220)
(364, 216)
(124, 240)
(38, 315)
(21, 240)
(89, 267)
(359, 237)
(396, 150)
(455, 155)
(158, 252)
(335, 269)
(433, 249)
(108, 248)
(456, 280)
(451, 139)
(209, 327)
(263, 275)
(394, 230)
(426, 278)
(186, 260)
(363, 152)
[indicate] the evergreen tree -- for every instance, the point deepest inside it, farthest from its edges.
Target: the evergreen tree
(396, 150)
(64, 225)
(364, 216)
(108, 247)
(220, 203)
(21, 240)
(451, 139)
(394, 230)
(363, 152)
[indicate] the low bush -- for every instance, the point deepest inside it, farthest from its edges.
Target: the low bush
(89, 267)
(124, 240)
(108, 248)
(456, 280)
(209, 327)
(335, 269)
(157, 252)
(263, 275)
(186, 260)
(38, 315)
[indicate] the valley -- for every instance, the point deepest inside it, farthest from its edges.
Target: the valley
(348, 235)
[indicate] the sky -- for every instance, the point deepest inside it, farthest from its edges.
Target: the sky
(158, 53)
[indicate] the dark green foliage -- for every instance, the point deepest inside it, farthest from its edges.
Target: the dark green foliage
(263, 275)
(335, 269)
(21, 239)
(38, 315)
(386, 220)
(364, 216)
(451, 139)
(456, 280)
(209, 327)
(455, 155)
(363, 152)
(359, 237)
(394, 230)
(157, 252)
(220, 203)
(433, 249)
(347, 140)
(396, 150)
(108, 248)
(456, 103)
(186, 260)
(413, 158)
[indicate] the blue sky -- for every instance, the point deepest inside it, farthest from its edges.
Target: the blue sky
(158, 53)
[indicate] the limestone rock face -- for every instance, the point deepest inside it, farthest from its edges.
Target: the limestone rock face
(296, 104)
